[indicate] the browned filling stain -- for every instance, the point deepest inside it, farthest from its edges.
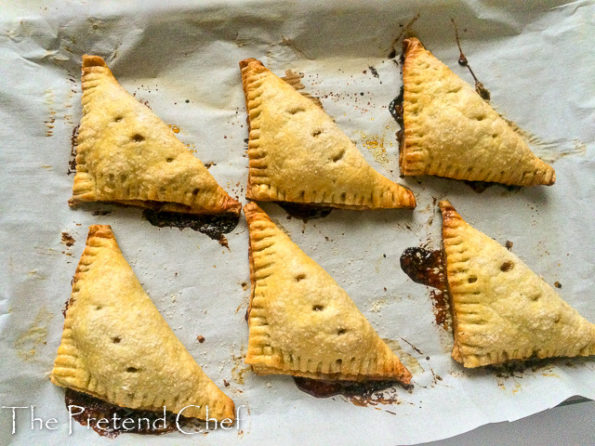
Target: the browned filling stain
(396, 109)
(479, 88)
(69, 302)
(213, 226)
(174, 128)
(200, 339)
(145, 421)
(428, 268)
(101, 212)
(366, 393)
(67, 239)
(305, 212)
(73, 144)
(50, 121)
(480, 186)
(406, 30)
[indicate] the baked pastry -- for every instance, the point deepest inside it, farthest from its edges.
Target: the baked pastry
(117, 347)
(450, 131)
(501, 309)
(301, 322)
(298, 154)
(126, 154)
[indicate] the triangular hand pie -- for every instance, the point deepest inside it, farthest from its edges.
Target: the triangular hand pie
(450, 131)
(501, 309)
(126, 154)
(298, 154)
(301, 322)
(117, 347)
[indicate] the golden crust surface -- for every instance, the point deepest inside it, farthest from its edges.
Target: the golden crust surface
(301, 322)
(298, 154)
(450, 131)
(126, 154)
(116, 346)
(501, 309)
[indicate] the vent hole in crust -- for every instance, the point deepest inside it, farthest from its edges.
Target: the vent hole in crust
(317, 307)
(98, 307)
(506, 266)
(295, 110)
(169, 160)
(300, 277)
(535, 296)
(316, 132)
(118, 118)
(195, 191)
(138, 138)
(338, 156)
(132, 370)
(341, 331)
(116, 340)
(472, 279)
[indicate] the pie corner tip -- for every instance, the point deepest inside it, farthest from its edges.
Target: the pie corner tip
(411, 43)
(250, 63)
(101, 231)
(445, 206)
(449, 213)
(91, 60)
(232, 206)
(551, 178)
(405, 376)
(410, 201)
(253, 212)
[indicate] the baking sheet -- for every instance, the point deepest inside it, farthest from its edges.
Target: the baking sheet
(181, 57)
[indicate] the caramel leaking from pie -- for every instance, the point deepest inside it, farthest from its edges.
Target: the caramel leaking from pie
(501, 309)
(116, 346)
(301, 322)
(128, 155)
(450, 131)
(298, 154)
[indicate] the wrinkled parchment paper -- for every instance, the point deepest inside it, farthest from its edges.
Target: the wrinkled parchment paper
(536, 59)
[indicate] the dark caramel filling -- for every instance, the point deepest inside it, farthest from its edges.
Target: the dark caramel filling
(109, 420)
(359, 393)
(428, 268)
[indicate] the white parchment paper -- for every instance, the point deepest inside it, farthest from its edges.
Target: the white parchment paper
(535, 58)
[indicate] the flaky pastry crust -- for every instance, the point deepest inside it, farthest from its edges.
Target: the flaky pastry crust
(116, 346)
(128, 155)
(501, 309)
(301, 322)
(298, 154)
(450, 131)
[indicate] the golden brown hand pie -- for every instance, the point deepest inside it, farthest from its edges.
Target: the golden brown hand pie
(501, 309)
(116, 346)
(298, 154)
(450, 131)
(126, 154)
(301, 322)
